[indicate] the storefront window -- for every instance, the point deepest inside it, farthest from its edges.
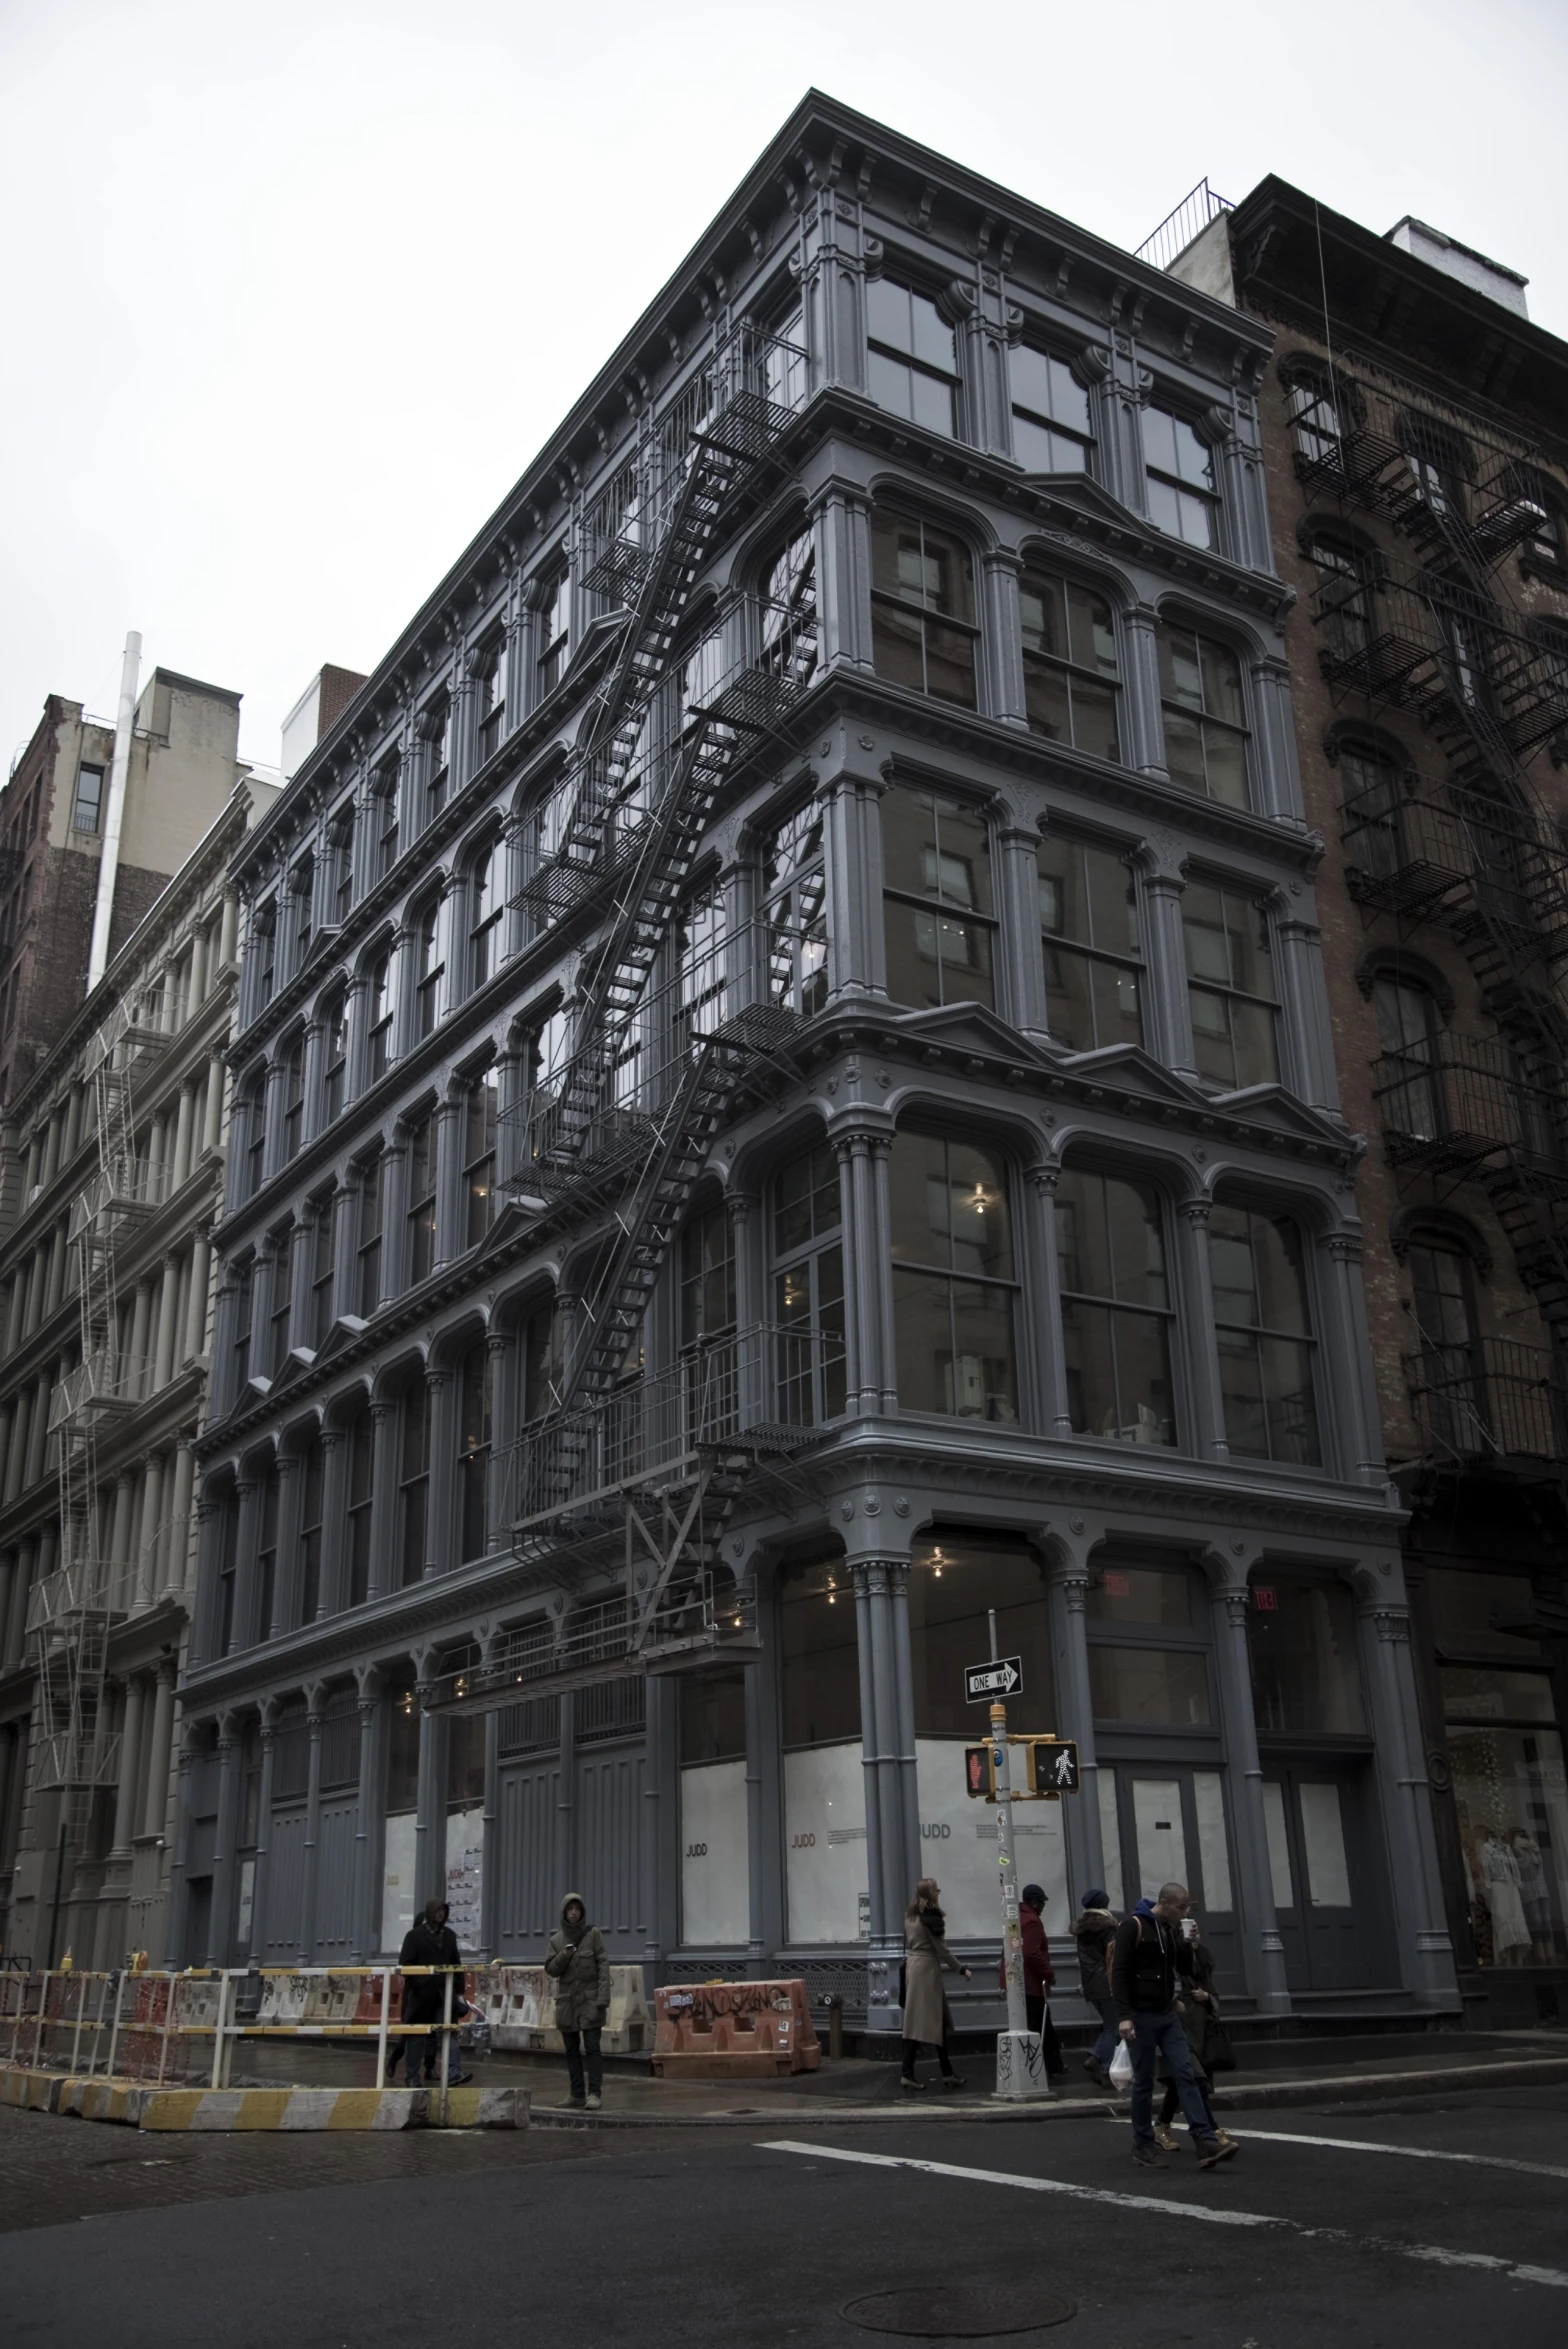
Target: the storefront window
(1141, 1594)
(715, 1878)
(1149, 1687)
(1306, 1670)
(1161, 1678)
(826, 1881)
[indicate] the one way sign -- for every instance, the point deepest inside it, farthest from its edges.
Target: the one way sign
(1002, 1677)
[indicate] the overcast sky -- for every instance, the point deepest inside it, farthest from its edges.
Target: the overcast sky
(291, 293)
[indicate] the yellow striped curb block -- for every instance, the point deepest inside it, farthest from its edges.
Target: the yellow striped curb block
(233, 2109)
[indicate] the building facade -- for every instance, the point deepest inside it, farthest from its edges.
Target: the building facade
(1412, 425)
(784, 1101)
(181, 767)
(114, 1154)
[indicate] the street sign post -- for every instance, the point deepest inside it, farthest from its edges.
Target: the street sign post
(1020, 2061)
(1002, 1677)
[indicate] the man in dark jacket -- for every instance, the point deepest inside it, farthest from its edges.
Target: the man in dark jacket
(1039, 1976)
(430, 1941)
(1094, 1930)
(1148, 1968)
(579, 1965)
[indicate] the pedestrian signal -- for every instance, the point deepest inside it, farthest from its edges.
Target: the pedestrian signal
(1053, 1766)
(980, 1771)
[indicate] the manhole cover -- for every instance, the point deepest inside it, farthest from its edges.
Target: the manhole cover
(964, 2311)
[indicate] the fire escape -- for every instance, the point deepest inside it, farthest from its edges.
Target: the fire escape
(1440, 635)
(628, 1469)
(71, 1610)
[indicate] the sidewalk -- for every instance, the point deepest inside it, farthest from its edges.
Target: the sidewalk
(855, 2090)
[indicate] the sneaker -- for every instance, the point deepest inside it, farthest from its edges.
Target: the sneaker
(460, 2079)
(952, 2079)
(1096, 2071)
(1164, 2137)
(912, 2087)
(1210, 2151)
(1149, 2157)
(1227, 2139)
(593, 2103)
(577, 2104)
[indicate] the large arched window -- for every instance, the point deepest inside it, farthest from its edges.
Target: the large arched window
(413, 1480)
(380, 1006)
(1232, 994)
(1205, 710)
(1409, 1085)
(939, 911)
(334, 1075)
(429, 968)
(486, 913)
(311, 1472)
(924, 631)
(384, 815)
(1263, 1329)
(359, 1486)
(253, 1112)
(1092, 944)
(794, 928)
(787, 613)
(954, 1279)
(1116, 1307)
(341, 842)
(808, 1287)
(475, 1401)
(293, 1095)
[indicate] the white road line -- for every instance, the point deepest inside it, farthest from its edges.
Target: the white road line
(1485, 2161)
(1208, 2214)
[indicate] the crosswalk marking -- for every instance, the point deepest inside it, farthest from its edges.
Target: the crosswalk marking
(1485, 2161)
(1206, 2213)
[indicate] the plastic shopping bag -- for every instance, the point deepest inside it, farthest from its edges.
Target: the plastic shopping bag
(1121, 2065)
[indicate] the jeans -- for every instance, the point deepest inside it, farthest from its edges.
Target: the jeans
(1153, 2036)
(575, 2042)
(1105, 2046)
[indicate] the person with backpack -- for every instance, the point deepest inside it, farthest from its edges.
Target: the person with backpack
(1207, 2040)
(1094, 1930)
(1150, 1963)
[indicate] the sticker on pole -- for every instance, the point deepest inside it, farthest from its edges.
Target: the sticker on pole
(1002, 1677)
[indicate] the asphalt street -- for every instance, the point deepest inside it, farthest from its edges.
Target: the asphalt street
(1371, 2226)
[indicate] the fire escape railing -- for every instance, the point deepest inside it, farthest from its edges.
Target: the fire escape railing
(1490, 1401)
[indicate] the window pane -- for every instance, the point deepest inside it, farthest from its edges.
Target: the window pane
(1281, 1275)
(820, 1659)
(898, 646)
(1471, 1693)
(1040, 450)
(950, 665)
(1222, 696)
(1048, 702)
(1306, 1666)
(1225, 757)
(1141, 1594)
(954, 1578)
(1157, 1687)
(1090, 1004)
(933, 403)
(950, 1205)
(1184, 758)
(806, 1198)
(1472, 1614)
(1253, 1031)
(1513, 1826)
(1094, 720)
(980, 1377)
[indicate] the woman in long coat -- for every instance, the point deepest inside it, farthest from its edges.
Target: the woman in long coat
(927, 2022)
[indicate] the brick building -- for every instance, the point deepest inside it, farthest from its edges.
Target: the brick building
(181, 768)
(1415, 439)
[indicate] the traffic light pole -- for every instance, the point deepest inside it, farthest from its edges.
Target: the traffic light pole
(1020, 2061)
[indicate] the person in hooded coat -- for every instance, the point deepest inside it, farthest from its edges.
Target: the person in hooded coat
(927, 2021)
(430, 1941)
(1094, 1930)
(579, 1965)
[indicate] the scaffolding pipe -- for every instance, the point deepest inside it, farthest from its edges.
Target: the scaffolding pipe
(109, 858)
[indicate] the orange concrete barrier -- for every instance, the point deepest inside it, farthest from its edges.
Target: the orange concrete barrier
(733, 2031)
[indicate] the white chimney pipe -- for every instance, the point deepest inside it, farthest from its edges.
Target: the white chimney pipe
(109, 859)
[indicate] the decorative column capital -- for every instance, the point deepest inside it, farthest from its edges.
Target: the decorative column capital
(1196, 1211)
(1346, 1247)
(1390, 1620)
(1234, 1601)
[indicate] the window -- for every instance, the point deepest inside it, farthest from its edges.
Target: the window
(955, 1579)
(430, 969)
(1306, 1669)
(1051, 428)
(323, 1266)
(1141, 1595)
(707, 1277)
(544, 1345)
(1093, 953)
(1205, 715)
(923, 628)
(379, 1053)
(912, 362)
(1342, 607)
(938, 908)
(384, 809)
(302, 888)
(554, 630)
(359, 1438)
(1455, 1404)
(1409, 1086)
(1441, 462)
(254, 1099)
(413, 1485)
(492, 701)
(1149, 1687)
(788, 614)
(312, 1488)
(421, 1210)
(1264, 1334)
(1312, 409)
(1116, 1308)
(1070, 673)
(265, 943)
(335, 1024)
(794, 913)
(266, 1553)
(437, 730)
(87, 808)
(808, 1288)
(282, 1298)
(1230, 987)
(342, 843)
(820, 1669)
(293, 1096)
(481, 1108)
(1183, 494)
(473, 1453)
(486, 913)
(953, 1281)
(372, 1230)
(244, 1287)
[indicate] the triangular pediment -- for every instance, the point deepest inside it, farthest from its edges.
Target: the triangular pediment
(963, 1028)
(1129, 1068)
(1094, 502)
(344, 1332)
(1271, 1107)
